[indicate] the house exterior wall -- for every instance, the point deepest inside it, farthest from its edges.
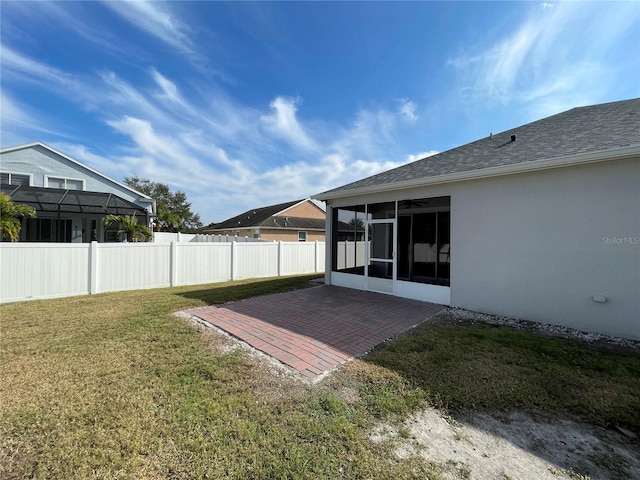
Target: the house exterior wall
(541, 246)
(306, 209)
(40, 163)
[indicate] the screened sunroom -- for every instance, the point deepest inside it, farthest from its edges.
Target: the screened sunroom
(399, 247)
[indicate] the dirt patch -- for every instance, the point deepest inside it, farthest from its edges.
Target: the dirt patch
(482, 446)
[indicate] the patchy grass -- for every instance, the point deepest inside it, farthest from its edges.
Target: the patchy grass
(464, 365)
(115, 386)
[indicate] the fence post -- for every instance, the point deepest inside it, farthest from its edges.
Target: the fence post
(234, 253)
(173, 264)
(316, 259)
(280, 258)
(93, 267)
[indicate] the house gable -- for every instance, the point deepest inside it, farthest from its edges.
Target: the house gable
(291, 215)
(44, 165)
(303, 209)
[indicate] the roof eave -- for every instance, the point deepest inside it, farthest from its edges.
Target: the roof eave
(525, 167)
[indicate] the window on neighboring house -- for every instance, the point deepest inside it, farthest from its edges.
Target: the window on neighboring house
(302, 236)
(14, 179)
(256, 233)
(65, 183)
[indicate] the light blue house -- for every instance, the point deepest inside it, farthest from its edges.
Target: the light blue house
(71, 199)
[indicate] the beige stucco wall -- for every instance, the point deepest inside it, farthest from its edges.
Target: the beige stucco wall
(305, 210)
(540, 246)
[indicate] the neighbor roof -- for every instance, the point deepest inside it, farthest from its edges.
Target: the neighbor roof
(583, 130)
(268, 217)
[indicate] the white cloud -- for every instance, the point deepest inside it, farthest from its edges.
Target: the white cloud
(407, 110)
(168, 87)
(156, 19)
(32, 71)
(554, 55)
(226, 156)
(283, 123)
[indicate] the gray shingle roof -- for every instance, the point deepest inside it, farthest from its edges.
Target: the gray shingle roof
(265, 217)
(576, 131)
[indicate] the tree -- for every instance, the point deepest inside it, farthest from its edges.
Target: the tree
(10, 217)
(129, 226)
(173, 209)
(358, 223)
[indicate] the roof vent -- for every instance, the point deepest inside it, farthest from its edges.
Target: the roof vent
(513, 137)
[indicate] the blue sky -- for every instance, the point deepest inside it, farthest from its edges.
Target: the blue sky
(243, 105)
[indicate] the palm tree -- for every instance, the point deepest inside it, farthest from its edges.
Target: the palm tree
(10, 217)
(129, 226)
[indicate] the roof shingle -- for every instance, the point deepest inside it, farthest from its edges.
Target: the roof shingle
(267, 217)
(576, 131)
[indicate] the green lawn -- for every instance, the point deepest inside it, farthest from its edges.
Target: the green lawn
(115, 386)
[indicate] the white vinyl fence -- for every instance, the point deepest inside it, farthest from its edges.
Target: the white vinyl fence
(49, 270)
(351, 254)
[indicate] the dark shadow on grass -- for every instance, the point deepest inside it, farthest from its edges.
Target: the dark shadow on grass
(241, 290)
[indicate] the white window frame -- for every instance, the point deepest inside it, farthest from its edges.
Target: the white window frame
(305, 236)
(47, 177)
(29, 175)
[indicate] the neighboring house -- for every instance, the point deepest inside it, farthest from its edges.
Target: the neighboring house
(541, 222)
(70, 198)
(297, 221)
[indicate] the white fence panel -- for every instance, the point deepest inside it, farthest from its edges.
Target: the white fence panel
(298, 257)
(130, 266)
(48, 270)
(351, 254)
(43, 270)
(203, 263)
(255, 260)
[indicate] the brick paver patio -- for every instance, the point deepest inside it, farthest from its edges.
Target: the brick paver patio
(316, 329)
